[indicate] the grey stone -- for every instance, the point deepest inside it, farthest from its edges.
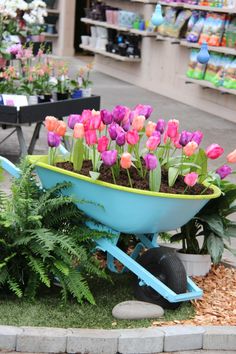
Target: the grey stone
(136, 310)
(8, 337)
(141, 341)
(40, 339)
(92, 341)
(220, 338)
(183, 338)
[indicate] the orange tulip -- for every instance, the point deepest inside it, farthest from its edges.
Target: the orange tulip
(61, 128)
(151, 126)
(231, 158)
(51, 123)
(138, 123)
(78, 131)
(125, 160)
(190, 148)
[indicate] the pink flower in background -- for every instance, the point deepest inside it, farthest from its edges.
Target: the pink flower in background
(138, 123)
(132, 137)
(153, 142)
(231, 157)
(103, 143)
(214, 151)
(109, 157)
(144, 110)
(190, 148)
(14, 49)
(172, 128)
(91, 137)
(78, 131)
(151, 126)
(191, 179)
(126, 160)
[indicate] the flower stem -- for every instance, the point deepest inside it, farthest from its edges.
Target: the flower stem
(204, 190)
(185, 190)
(130, 182)
(113, 175)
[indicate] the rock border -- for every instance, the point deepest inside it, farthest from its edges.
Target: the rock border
(117, 341)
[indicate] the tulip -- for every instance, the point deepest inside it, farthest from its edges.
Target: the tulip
(138, 123)
(113, 131)
(106, 116)
(102, 126)
(125, 124)
(172, 128)
(125, 160)
(61, 128)
(109, 157)
(73, 119)
(54, 139)
(224, 171)
(214, 151)
(144, 110)
(197, 137)
(132, 137)
(121, 138)
(95, 121)
(153, 142)
(103, 144)
(51, 123)
(176, 142)
(160, 126)
(78, 131)
(119, 113)
(151, 126)
(190, 148)
(91, 137)
(132, 115)
(150, 161)
(86, 115)
(185, 137)
(191, 179)
(231, 158)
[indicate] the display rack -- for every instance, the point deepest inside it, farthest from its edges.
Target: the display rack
(110, 55)
(198, 7)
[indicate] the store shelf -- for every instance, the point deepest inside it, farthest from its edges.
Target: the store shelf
(145, 1)
(209, 85)
(143, 33)
(169, 39)
(50, 35)
(198, 7)
(225, 50)
(110, 55)
(53, 11)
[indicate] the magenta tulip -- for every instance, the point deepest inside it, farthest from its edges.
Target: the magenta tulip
(144, 110)
(191, 179)
(197, 137)
(224, 171)
(106, 117)
(132, 137)
(90, 137)
(150, 161)
(113, 131)
(185, 137)
(73, 119)
(121, 138)
(103, 143)
(54, 140)
(160, 127)
(119, 113)
(172, 128)
(153, 142)
(214, 151)
(109, 157)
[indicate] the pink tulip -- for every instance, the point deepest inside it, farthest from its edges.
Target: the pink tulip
(91, 137)
(138, 123)
(103, 143)
(176, 142)
(191, 179)
(172, 128)
(153, 142)
(132, 137)
(102, 127)
(231, 158)
(78, 131)
(95, 120)
(190, 148)
(125, 160)
(144, 110)
(214, 151)
(151, 127)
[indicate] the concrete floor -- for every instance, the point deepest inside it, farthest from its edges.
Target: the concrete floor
(114, 92)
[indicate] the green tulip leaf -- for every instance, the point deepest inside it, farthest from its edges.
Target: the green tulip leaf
(94, 175)
(173, 173)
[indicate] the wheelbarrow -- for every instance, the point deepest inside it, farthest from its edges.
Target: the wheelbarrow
(160, 275)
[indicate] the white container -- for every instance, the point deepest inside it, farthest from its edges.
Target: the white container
(85, 40)
(86, 92)
(195, 264)
(93, 31)
(32, 100)
(101, 43)
(93, 42)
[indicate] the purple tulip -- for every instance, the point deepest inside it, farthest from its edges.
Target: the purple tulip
(119, 113)
(144, 110)
(132, 115)
(121, 138)
(150, 161)
(54, 140)
(185, 138)
(160, 127)
(106, 117)
(224, 171)
(73, 119)
(113, 131)
(197, 137)
(109, 157)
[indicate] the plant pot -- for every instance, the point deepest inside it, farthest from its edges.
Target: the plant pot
(33, 99)
(195, 264)
(62, 96)
(76, 94)
(87, 92)
(132, 211)
(44, 98)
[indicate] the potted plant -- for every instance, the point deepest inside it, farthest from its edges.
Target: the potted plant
(76, 91)
(27, 84)
(44, 83)
(63, 81)
(84, 78)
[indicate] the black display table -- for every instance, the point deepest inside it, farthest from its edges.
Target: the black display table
(10, 117)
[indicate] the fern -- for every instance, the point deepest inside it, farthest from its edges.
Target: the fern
(14, 286)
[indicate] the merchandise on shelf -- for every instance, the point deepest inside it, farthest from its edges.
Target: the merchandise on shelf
(124, 45)
(195, 26)
(230, 34)
(195, 69)
(209, 3)
(213, 29)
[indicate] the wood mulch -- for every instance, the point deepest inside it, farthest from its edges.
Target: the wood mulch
(218, 305)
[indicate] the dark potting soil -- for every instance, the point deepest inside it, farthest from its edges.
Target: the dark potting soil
(137, 181)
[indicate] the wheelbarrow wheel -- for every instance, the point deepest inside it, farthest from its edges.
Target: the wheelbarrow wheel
(167, 267)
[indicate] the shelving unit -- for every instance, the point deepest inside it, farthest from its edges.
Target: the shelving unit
(224, 50)
(110, 55)
(209, 85)
(198, 7)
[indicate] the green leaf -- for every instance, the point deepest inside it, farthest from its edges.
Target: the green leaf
(78, 154)
(173, 173)
(201, 160)
(94, 175)
(215, 246)
(214, 223)
(155, 178)
(62, 267)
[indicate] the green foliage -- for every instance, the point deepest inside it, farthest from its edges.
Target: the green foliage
(42, 238)
(213, 224)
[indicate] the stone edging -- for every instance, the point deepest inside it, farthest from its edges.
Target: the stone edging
(122, 341)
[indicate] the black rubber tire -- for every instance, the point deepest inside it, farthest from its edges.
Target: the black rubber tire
(166, 266)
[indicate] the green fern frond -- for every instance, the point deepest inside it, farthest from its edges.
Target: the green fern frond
(3, 275)
(14, 287)
(32, 286)
(62, 267)
(38, 267)
(78, 287)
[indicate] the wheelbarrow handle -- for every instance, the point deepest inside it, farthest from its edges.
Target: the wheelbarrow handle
(10, 167)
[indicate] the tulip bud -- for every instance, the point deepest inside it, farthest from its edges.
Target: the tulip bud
(190, 148)
(54, 139)
(121, 138)
(160, 127)
(185, 137)
(132, 137)
(51, 123)
(197, 137)
(150, 161)
(231, 158)
(224, 171)
(91, 137)
(73, 119)
(191, 179)
(106, 117)
(61, 128)
(138, 123)
(103, 144)
(109, 157)
(125, 160)
(78, 131)
(214, 151)
(153, 142)
(172, 128)
(151, 126)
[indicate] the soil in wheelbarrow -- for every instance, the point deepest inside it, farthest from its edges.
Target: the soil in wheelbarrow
(137, 181)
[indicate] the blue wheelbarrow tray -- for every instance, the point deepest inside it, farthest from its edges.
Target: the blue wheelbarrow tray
(132, 211)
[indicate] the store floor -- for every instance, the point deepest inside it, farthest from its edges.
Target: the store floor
(114, 92)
